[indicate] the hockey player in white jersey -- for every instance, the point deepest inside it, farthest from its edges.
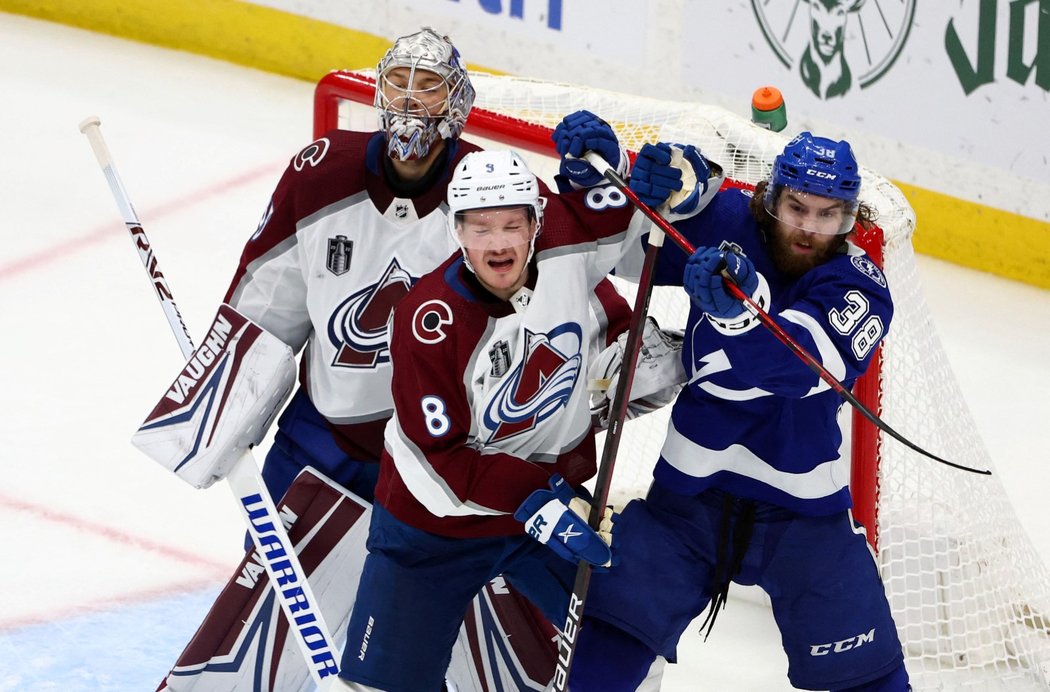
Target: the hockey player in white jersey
(750, 485)
(356, 219)
(492, 430)
(354, 222)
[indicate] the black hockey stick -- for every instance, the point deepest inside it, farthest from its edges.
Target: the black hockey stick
(617, 416)
(771, 324)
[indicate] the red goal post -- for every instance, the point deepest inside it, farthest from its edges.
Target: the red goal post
(968, 591)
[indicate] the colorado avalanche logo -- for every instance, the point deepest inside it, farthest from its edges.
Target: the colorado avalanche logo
(359, 326)
(312, 154)
(429, 321)
(540, 385)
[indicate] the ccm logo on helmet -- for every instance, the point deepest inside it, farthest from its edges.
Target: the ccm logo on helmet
(821, 174)
(429, 321)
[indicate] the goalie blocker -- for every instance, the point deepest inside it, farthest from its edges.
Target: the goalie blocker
(222, 402)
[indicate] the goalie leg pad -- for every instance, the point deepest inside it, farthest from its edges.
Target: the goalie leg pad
(504, 643)
(221, 403)
(244, 641)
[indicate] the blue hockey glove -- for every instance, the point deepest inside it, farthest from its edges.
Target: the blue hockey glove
(549, 519)
(653, 178)
(694, 183)
(703, 281)
(660, 175)
(581, 132)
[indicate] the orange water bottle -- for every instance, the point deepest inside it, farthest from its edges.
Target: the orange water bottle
(768, 109)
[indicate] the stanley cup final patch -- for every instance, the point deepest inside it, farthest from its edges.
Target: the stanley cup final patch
(499, 356)
(339, 252)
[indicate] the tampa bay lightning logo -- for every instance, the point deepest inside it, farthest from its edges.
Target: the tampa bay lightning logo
(540, 385)
(359, 327)
(869, 269)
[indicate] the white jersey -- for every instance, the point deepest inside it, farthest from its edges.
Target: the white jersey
(335, 252)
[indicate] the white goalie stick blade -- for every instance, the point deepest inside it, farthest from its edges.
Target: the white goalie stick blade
(244, 642)
(221, 403)
(505, 643)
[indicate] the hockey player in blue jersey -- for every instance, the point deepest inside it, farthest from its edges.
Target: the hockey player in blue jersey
(750, 485)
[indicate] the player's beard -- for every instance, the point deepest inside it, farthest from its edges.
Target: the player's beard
(789, 261)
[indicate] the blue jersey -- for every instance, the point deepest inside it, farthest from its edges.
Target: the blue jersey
(754, 420)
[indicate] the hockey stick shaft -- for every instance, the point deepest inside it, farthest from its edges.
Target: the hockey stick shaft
(274, 547)
(90, 127)
(769, 323)
(603, 481)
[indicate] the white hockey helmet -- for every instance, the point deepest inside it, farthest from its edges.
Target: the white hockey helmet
(411, 121)
(491, 180)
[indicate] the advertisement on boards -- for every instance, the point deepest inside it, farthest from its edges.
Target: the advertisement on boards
(969, 79)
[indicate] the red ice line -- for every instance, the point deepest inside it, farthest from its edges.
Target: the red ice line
(215, 570)
(66, 247)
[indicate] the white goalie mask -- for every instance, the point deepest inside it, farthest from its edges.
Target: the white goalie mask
(495, 180)
(430, 95)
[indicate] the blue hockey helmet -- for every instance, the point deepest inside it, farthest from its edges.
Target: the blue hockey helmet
(816, 166)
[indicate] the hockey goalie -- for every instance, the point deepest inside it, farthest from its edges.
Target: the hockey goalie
(221, 403)
(356, 218)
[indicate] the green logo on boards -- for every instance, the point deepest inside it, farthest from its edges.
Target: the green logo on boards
(834, 45)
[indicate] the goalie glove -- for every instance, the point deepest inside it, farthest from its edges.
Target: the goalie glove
(222, 402)
(556, 518)
(658, 375)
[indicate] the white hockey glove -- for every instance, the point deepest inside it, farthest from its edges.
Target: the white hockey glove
(658, 375)
(222, 402)
(553, 517)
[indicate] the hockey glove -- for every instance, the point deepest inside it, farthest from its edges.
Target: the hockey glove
(704, 283)
(696, 172)
(658, 374)
(672, 176)
(549, 517)
(579, 133)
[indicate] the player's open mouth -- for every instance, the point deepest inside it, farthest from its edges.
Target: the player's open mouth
(501, 265)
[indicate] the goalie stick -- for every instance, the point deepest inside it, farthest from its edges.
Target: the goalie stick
(254, 502)
(767, 321)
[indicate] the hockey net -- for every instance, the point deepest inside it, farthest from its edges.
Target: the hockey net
(969, 593)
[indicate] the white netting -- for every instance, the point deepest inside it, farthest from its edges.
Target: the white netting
(969, 594)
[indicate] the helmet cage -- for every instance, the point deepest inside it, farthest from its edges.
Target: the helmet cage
(411, 127)
(816, 167)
